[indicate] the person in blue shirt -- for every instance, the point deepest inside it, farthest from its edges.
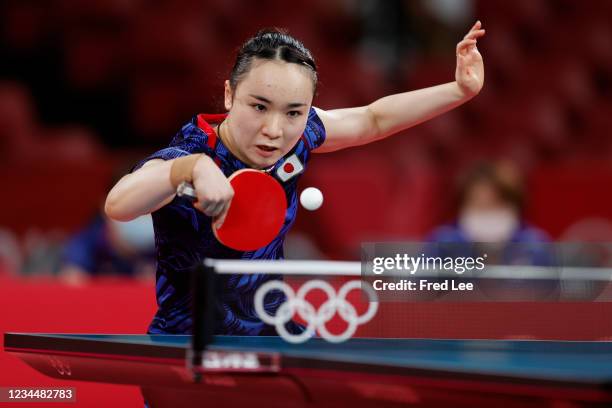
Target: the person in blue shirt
(490, 205)
(270, 125)
(490, 221)
(106, 247)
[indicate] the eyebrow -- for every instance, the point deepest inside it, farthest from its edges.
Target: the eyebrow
(289, 105)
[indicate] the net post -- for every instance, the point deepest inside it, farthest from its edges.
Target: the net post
(203, 305)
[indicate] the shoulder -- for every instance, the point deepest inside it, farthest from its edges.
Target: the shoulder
(529, 233)
(447, 233)
(195, 136)
(314, 132)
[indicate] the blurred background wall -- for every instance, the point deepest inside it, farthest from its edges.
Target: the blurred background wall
(88, 88)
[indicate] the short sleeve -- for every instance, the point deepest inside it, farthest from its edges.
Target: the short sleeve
(315, 131)
(189, 140)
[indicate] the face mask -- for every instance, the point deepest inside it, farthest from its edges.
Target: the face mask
(137, 233)
(489, 225)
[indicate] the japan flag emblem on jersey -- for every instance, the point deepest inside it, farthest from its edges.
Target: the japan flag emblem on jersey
(290, 168)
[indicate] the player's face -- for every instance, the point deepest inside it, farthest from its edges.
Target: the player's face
(268, 111)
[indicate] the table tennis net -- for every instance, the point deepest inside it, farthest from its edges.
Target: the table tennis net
(506, 302)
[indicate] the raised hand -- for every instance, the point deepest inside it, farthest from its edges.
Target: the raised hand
(469, 73)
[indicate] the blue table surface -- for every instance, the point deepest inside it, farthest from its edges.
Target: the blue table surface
(576, 361)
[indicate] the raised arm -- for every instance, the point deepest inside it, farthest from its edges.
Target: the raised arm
(394, 113)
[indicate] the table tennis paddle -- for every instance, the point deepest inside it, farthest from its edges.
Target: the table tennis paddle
(256, 213)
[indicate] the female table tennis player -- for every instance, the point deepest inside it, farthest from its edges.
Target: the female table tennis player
(270, 125)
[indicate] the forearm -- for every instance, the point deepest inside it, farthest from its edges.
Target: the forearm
(141, 192)
(391, 114)
(395, 113)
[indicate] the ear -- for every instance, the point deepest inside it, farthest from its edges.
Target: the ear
(228, 95)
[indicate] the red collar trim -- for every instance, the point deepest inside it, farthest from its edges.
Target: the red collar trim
(203, 123)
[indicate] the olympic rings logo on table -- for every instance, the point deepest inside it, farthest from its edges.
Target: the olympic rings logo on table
(316, 319)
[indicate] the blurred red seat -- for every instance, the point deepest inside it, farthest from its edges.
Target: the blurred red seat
(369, 197)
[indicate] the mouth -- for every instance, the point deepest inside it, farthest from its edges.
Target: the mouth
(265, 150)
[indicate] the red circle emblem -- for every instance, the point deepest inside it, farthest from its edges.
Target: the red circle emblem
(288, 168)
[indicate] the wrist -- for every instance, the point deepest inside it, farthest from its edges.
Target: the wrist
(463, 93)
(182, 169)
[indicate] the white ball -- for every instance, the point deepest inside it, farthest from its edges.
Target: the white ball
(311, 198)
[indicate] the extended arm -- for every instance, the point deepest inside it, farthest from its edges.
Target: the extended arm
(394, 113)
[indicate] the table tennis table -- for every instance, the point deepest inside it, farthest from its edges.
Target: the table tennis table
(359, 372)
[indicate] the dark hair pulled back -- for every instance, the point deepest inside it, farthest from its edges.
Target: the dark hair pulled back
(271, 44)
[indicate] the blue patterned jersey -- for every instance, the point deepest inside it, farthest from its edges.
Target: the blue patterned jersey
(183, 235)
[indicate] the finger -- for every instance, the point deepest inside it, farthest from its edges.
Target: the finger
(474, 34)
(467, 41)
(201, 206)
(472, 48)
(461, 63)
(477, 25)
(198, 206)
(221, 218)
(464, 45)
(216, 210)
(208, 207)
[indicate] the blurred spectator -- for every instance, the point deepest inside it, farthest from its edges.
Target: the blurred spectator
(107, 247)
(490, 204)
(489, 211)
(42, 252)
(489, 223)
(10, 253)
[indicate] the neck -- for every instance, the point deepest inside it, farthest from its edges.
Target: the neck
(226, 138)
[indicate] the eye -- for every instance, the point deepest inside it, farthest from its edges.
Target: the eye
(259, 107)
(294, 114)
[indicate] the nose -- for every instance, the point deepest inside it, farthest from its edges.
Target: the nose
(273, 127)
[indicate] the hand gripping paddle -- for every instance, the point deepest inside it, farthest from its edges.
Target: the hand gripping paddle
(256, 213)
